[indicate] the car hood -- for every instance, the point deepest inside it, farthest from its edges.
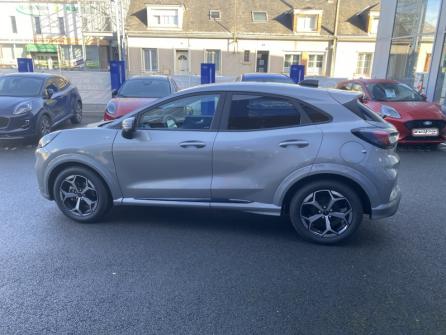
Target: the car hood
(8, 104)
(416, 109)
(127, 105)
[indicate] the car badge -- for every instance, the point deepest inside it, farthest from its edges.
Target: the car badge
(427, 123)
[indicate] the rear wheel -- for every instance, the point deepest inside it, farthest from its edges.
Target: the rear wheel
(77, 117)
(81, 194)
(326, 212)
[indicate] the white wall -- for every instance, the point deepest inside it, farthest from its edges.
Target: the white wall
(347, 57)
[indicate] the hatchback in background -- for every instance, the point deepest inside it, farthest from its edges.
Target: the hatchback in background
(417, 121)
(316, 156)
(266, 78)
(31, 104)
(138, 92)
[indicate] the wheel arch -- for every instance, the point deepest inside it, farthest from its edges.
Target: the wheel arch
(364, 197)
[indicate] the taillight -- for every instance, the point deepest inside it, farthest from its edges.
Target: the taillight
(382, 138)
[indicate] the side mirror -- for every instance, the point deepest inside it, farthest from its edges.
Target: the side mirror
(128, 127)
(114, 93)
(364, 99)
(49, 93)
(423, 96)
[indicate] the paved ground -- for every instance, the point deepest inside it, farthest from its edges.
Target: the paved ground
(160, 271)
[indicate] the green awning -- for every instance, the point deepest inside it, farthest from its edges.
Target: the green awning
(41, 48)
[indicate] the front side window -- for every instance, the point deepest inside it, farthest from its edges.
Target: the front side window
(315, 64)
(213, 57)
(150, 60)
(190, 113)
(290, 59)
(364, 63)
(250, 112)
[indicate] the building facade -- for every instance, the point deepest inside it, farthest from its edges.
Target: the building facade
(329, 37)
(412, 45)
(59, 34)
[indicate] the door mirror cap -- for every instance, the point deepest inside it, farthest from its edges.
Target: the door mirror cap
(423, 96)
(114, 93)
(49, 93)
(364, 99)
(128, 127)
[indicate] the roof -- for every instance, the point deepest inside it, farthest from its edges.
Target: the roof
(371, 81)
(30, 74)
(280, 17)
(264, 75)
(158, 77)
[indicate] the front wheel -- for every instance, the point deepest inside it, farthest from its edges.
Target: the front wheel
(43, 126)
(77, 117)
(81, 194)
(326, 212)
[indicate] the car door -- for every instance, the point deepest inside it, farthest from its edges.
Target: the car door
(264, 139)
(54, 103)
(169, 157)
(65, 96)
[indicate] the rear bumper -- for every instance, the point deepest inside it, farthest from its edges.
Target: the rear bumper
(388, 209)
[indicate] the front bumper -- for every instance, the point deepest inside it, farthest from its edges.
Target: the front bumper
(17, 127)
(388, 209)
(40, 167)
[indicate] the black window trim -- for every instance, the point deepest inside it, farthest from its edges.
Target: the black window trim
(216, 121)
(224, 122)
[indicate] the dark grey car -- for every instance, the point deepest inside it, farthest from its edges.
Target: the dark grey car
(318, 156)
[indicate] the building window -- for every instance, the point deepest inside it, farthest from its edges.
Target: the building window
(150, 60)
(363, 66)
(61, 25)
(213, 57)
(290, 59)
(315, 64)
(307, 21)
(165, 17)
(215, 15)
(37, 26)
(246, 56)
(259, 16)
(13, 25)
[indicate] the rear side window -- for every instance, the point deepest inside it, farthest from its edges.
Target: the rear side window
(61, 83)
(315, 115)
(363, 111)
(250, 112)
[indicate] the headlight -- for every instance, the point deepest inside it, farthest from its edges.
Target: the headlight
(390, 112)
(45, 140)
(23, 108)
(111, 108)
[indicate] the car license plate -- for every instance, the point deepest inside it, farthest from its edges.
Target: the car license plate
(425, 132)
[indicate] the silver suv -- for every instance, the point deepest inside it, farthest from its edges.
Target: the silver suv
(318, 156)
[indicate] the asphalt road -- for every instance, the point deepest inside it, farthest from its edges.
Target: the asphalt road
(164, 271)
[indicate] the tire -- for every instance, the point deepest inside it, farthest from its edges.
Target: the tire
(43, 126)
(310, 209)
(77, 117)
(78, 202)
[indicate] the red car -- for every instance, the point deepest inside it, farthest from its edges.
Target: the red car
(417, 121)
(138, 92)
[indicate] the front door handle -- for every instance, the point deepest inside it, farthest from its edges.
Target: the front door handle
(297, 143)
(196, 144)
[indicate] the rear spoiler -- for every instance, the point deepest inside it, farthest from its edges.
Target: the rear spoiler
(309, 83)
(344, 97)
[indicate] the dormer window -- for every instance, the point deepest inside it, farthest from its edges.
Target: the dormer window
(373, 22)
(259, 16)
(165, 17)
(307, 21)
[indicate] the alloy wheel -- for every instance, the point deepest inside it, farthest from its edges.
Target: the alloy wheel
(326, 213)
(78, 195)
(45, 126)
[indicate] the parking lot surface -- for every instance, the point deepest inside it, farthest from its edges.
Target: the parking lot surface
(177, 271)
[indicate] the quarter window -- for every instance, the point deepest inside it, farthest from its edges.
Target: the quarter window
(250, 112)
(191, 113)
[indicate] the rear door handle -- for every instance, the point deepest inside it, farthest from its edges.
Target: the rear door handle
(297, 143)
(196, 144)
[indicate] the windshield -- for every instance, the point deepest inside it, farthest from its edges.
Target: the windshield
(20, 86)
(145, 88)
(393, 92)
(281, 79)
